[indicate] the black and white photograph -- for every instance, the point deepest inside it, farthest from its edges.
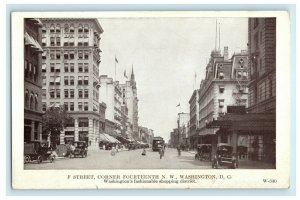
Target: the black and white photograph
(170, 92)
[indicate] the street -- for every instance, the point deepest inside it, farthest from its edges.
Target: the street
(100, 159)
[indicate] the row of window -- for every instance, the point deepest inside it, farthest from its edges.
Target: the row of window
(263, 91)
(68, 67)
(67, 28)
(238, 102)
(68, 41)
(239, 74)
(68, 80)
(30, 71)
(68, 54)
(68, 93)
(68, 106)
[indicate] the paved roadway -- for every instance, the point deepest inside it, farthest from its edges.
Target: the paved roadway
(100, 159)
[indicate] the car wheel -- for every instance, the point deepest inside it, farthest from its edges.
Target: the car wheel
(234, 165)
(27, 159)
(217, 165)
(39, 159)
(51, 159)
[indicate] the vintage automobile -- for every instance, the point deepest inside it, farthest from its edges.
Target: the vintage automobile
(225, 157)
(39, 151)
(203, 152)
(80, 149)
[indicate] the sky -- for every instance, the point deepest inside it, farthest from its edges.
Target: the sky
(165, 53)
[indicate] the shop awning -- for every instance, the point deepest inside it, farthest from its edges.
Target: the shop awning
(32, 42)
(122, 139)
(245, 122)
(37, 21)
(107, 138)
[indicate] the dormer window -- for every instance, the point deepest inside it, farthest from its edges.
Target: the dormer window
(221, 75)
(239, 74)
(241, 62)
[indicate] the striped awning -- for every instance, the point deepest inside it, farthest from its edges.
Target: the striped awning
(107, 138)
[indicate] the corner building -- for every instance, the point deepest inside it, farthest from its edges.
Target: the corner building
(70, 68)
(225, 85)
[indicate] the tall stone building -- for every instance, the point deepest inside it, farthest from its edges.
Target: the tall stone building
(262, 85)
(253, 134)
(32, 80)
(129, 92)
(70, 68)
(194, 118)
(111, 95)
(225, 85)
(262, 49)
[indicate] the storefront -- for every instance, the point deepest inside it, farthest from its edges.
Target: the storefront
(253, 136)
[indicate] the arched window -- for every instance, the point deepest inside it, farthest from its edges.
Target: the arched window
(31, 101)
(36, 102)
(80, 28)
(52, 28)
(72, 28)
(86, 28)
(26, 100)
(66, 28)
(57, 28)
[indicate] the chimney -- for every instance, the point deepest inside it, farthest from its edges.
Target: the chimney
(225, 53)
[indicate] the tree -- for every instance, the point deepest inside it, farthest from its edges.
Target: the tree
(54, 121)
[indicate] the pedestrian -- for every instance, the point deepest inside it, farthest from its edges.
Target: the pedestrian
(161, 152)
(144, 152)
(179, 150)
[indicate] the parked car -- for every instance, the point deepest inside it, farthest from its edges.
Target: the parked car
(38, 151)
(225, 157)
(203, 152)
(81, 149)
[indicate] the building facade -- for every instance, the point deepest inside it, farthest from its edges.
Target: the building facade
(70, 69)
(225, 85)
(130, 99)
(262, 85)
(194, 119)
(111, 95)
(262, 49)
(32, 80)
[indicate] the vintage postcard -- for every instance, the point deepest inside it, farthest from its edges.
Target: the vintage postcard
(150, 99)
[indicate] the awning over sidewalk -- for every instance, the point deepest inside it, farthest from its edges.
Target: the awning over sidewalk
(245, 122)
(107, 138)
(32, 42)
(123, 140)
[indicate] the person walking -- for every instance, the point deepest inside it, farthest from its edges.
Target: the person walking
(161, 152)
(144, 152)
(179, 150)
